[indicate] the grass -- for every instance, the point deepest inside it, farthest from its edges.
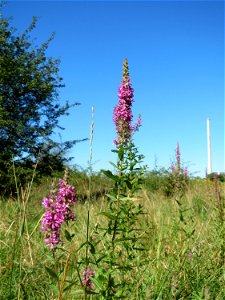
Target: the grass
(185, 258)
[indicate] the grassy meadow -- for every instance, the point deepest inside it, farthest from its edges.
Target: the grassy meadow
(184, 241)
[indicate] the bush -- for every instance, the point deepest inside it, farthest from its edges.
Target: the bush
(175, 184)
(154, 180)
(219, 176)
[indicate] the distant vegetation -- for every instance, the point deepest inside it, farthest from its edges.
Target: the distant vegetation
(219, 176)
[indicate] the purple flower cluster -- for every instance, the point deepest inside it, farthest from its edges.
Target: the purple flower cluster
(136, 125)
(86, 280)
(125, 94)
(176, 167)
(122, 116)
(58, 210)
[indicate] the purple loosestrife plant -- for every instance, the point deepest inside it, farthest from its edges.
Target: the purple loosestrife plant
(58, 210)
(123, 111)
(177, 179)
(178, 157)
(88, 273)
(179, 169)
(122, 238)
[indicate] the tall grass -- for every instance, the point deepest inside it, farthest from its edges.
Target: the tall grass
(185, 258)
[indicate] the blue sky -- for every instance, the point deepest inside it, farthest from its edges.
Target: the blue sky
(175, 51)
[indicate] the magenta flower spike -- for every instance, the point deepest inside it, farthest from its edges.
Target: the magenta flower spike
(178, 157)
(123, 111)
(58, 209)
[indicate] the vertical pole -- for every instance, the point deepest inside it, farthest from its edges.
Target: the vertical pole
(209, 169)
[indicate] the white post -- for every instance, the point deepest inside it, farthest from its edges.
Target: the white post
(209, 169)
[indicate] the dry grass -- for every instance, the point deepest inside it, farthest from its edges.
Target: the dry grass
(184, 246)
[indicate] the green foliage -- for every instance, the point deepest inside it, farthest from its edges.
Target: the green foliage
(175, 184)
(29, 104)
(100, 184)
(219, 176)
(167, 182)
(155, 179)
(176, 179)
(200, 207)
(177, 264)
(122, 239)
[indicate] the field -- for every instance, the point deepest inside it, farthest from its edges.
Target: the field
(183, 256)
(128, 232)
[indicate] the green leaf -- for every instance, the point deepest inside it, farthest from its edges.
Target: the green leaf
(67, 235)
(82, 245)
(108, 215)
(52, 273)
(178, 202)
(69, 286)
(114, 151)
(111, 197)
(54, 288)
(92, 248)
(121, 153)
(109, 174)
(129, 184)
(114, 165)
(100, 258)
(99, 281)
(140, 249)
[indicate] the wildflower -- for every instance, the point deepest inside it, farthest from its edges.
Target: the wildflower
(136, 125)
(185, 172)
(58, 211)
(178, 157)
(86, 280)
(115, 142)
(123, 112)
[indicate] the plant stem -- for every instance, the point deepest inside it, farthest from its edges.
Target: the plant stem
(63, 278)
(90, 190)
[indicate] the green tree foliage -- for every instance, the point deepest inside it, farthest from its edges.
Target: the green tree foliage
(29, 102)
(219, 176)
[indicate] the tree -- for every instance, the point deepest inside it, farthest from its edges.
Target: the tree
(29, 98)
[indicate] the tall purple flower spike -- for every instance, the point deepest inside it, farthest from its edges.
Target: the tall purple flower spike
(122, 116)
(178, 157)
(57, 211)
